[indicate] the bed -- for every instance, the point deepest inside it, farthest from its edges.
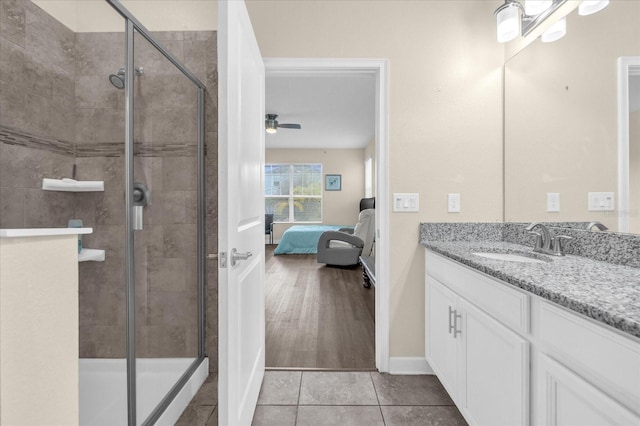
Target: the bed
(303, 239)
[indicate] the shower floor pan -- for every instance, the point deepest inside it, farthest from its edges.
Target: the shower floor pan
(103, 389)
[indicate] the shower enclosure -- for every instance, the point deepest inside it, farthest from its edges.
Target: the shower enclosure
(163, 245)
(109, 101)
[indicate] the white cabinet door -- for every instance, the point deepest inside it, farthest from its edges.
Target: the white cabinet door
(495, 371)
(441, 347)
(565, 399)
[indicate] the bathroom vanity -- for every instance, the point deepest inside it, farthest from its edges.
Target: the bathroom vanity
(39, 326)
(547, 341)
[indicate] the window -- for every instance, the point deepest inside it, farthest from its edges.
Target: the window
(293, 192)
(368, 178)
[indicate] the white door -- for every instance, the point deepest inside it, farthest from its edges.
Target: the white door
(241, 216)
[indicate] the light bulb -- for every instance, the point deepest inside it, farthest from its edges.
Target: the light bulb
(271, 130)
(555, 31)
(589, 7)
(508, 21)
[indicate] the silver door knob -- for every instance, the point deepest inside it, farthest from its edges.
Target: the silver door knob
(235, 256)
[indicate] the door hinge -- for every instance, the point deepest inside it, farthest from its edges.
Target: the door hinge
(222, 258)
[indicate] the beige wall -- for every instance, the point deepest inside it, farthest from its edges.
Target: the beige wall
(561, 117)
(338, 207)
(445, 114)
(39, 331)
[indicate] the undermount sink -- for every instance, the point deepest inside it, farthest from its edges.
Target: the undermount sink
(510, 257)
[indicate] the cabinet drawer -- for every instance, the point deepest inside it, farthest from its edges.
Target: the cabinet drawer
(506, 304)
(601, 356)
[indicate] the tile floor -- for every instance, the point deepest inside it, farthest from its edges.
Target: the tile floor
(313, 398)
(202, 411)
(353, 398)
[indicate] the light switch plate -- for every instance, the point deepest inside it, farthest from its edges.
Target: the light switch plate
(553, 201)
(406, 202)
(601, 201)
(453, 203)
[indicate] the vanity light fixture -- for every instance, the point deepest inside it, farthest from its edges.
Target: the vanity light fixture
(508, 20)
(589, 7)
(555, 31)
(536, 7)
(513, 19)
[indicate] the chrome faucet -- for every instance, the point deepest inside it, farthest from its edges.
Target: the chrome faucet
(597, 224)
(544, 242)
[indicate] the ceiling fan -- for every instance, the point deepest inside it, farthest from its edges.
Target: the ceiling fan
(272, 124)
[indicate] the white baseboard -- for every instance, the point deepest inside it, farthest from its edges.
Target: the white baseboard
(409, 365)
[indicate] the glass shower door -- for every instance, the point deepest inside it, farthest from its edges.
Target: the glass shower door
(165, 217)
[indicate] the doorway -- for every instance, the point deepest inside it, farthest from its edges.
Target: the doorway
(377, 69)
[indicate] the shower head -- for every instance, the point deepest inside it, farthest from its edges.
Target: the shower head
(118, 79)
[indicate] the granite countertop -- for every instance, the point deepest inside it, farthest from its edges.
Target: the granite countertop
(606, 292)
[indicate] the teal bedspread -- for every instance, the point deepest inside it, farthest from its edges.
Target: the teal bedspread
(303, 239)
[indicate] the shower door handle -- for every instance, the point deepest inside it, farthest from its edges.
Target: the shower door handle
(141, 199)
(235, 256)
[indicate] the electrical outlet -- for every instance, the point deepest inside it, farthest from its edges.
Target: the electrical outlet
(454, 203)
(553, 201)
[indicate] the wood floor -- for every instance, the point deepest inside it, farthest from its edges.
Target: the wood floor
(317, 316)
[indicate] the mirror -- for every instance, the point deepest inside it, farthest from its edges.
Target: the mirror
(561, 123)
(629, 143)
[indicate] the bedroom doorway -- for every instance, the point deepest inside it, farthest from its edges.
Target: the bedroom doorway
(320, 317)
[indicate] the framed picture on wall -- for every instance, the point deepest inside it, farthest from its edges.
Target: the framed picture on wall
(333, 182)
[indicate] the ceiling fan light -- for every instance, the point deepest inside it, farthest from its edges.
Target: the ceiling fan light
(271, 124)
(589, 7)
(536, 7)
(555, 31)
(508, 21)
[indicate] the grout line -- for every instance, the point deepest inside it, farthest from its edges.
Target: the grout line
(322, 369)
(419, 405)
(298, 402)
(343, 405)
(374, 388)
(300, 387)
(377, 398)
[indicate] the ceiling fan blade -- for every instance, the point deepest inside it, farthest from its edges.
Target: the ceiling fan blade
(289, 126)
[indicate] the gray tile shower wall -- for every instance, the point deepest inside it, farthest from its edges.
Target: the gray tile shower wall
(210, 74)
(36, 98)
(37, 74)
(165, 148)
(59, 109)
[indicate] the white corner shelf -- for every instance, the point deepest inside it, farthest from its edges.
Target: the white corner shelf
(43, 232)
(91, 255)
(71, 185)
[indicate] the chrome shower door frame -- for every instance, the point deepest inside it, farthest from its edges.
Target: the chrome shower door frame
(133, 25)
